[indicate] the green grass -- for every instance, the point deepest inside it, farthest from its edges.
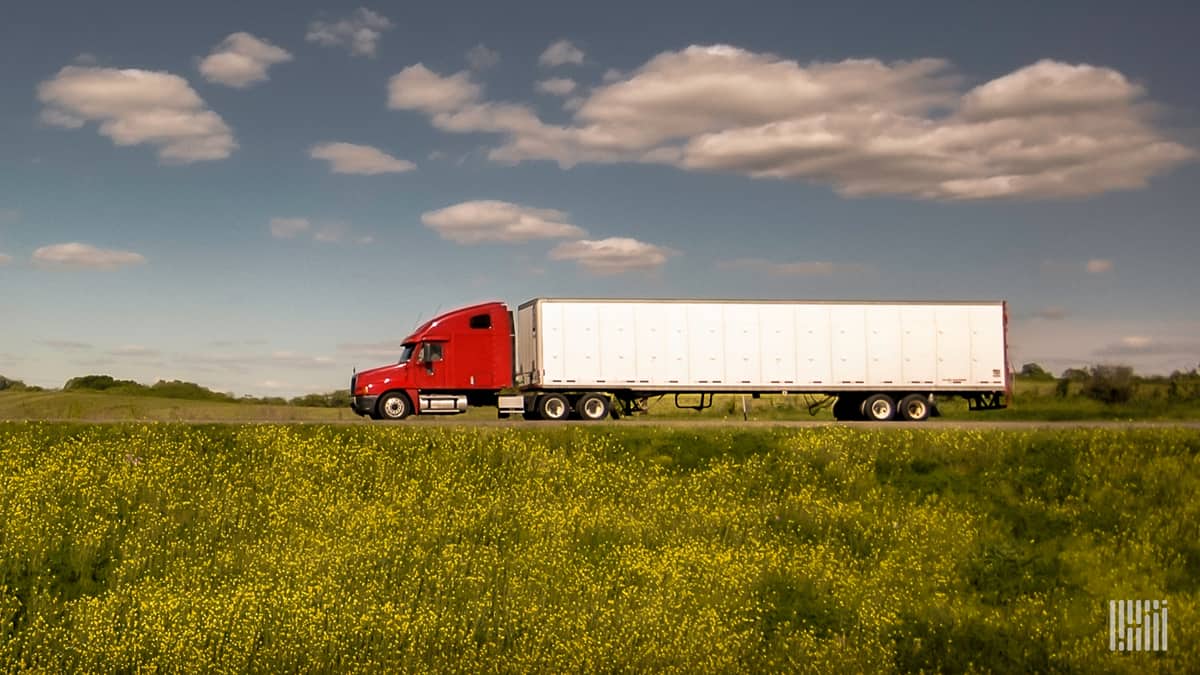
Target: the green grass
(1033, 401)
(104, 406)
(402, 548)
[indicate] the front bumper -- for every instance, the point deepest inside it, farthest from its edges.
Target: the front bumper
(364, 405)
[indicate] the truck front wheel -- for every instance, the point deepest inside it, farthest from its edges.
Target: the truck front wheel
(394, 406)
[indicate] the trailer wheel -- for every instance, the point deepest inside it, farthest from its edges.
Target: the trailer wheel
(847, 409)
(394, 406)
(879, 408)
(914, 408)
(553, 407)
(593, 407)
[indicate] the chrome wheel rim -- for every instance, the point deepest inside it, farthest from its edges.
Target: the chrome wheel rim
(916, 409)
(394, 407)
(880, 409)
(554, 408)
(593, 408)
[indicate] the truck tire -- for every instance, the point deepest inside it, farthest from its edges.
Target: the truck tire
(394, 406)
(879, 408)
(847, 409)
(915, 408)
(553, 407)
(593, 407)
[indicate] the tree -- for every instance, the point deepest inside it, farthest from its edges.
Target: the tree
(13, 385)
(1034, 371)
(1110, 384)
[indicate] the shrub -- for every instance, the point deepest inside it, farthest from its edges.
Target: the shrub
(1110, 384)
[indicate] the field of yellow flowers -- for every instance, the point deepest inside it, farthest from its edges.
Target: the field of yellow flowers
(550, 549)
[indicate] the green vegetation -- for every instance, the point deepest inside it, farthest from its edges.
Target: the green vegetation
(395, 548)
(109, 406)
(1102, 393)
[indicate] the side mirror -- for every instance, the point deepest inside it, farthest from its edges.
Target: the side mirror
(431, 352)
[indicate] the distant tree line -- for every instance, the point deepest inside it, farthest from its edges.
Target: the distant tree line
(1116, 383)
(7, 384)
(181, 389)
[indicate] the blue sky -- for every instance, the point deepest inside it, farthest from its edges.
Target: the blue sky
(260, 197)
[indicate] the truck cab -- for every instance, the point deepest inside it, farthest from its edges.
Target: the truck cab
(461, 358)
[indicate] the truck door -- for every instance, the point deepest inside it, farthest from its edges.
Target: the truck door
(433, 365)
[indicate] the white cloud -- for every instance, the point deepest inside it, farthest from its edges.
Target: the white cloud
(302, 360)
(863, 126)
(5, 259)
(480, 57)
(561, 53)
(1099, 266)
(135, 351)
(1143, 345)
(360, 32)
(804, 268)
(387, 349)
(135, 107)
(286, 228)
(75, 254)
(1052, 313)
(66, 345)
(242, 60)
(558, 86)
(359, 159)
(418, 88)
(488, 220)
(614, 255)
(331, 233)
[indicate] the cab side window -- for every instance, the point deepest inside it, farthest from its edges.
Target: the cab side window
(481, 321)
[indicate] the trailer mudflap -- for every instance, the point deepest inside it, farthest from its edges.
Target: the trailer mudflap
(991, 400)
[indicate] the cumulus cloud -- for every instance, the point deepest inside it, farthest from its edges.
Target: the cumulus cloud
(1099, 266)
(75, 254)
(480, 57)
(287, 228)
(614, 255)
(134, 107)
(360, 32)
(359, 159)
(418, 88)
(866, 127)
(241, 60)
(804, 268)
(488, 220)
(561, 53)
(558, 86)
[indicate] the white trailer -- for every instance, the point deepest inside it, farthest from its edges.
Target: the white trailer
(880, 359)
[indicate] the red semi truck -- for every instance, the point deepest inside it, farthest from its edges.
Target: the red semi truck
(592, 358)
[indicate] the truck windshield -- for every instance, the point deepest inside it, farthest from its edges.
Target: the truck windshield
(406, 353)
